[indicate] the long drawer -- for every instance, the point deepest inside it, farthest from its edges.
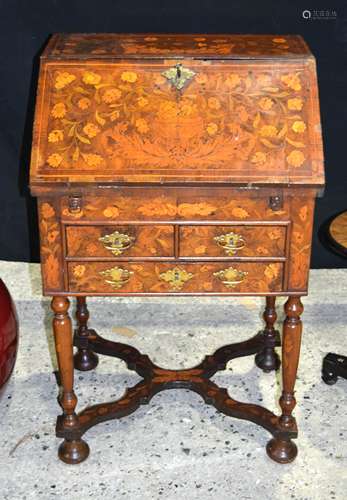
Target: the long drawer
(171, 277)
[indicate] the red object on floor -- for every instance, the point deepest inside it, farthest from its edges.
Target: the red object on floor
(8, 335)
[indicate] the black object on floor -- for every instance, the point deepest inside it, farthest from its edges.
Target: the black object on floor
(334, 366)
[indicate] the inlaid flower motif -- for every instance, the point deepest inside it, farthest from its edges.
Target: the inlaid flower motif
(213, 103)
(262, 250)
(141, 125)
(91, 130)
(111, 95)
(233, 81)
(268, 131)
(58, 110)
(303, 213)
(157, 208)
(279, 40)
(275, 233)
(54, 160)
(78, 271)
(299, 126)
(111, 212)
(167, 110)
(212, 128)
(93, 160)
(240, 213)
(295, 104)
(84, 103)
(142, 102)
(271, 271)
(201, 78)
(296, 158)
(292, 81)
(259, 158)
(91, 78)
(265, 103)
(47, 210)
(52, 236)
(114, 115)
(298, 237)
(129, 76)
(186, 109)
(56, 136)
(63, 79)
(92, 248)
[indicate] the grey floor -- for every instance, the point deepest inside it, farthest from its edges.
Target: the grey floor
(176, 447)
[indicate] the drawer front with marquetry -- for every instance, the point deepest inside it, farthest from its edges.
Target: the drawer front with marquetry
(232, 241)
(117, 241)
(181, 204)
(171, 278)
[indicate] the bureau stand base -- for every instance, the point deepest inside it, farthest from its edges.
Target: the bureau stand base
(157, 379)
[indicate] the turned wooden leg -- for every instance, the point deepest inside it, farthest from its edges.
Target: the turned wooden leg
(85, 359)
(70, 451)
(281, 449)
(267, 359)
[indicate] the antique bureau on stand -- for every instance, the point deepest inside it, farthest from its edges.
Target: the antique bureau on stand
(176, 165)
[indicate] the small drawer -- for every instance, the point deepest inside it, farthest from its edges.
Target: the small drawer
(232, 241)
(173, 277)
(117, 241)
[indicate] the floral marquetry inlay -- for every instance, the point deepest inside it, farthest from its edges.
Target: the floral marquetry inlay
(130, 118)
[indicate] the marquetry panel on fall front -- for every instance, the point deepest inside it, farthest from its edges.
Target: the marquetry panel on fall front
(186, 119)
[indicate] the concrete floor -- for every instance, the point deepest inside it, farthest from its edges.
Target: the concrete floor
(175, 447)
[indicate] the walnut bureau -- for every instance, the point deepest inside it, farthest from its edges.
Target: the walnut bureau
(168, 164)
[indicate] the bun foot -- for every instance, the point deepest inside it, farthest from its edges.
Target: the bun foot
(73, 452)
(85, 360)
(282, 451)
(267, 360)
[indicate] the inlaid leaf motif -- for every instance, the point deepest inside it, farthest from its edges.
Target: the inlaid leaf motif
(101, 119)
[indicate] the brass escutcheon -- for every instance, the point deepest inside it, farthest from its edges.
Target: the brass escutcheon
(117, 242)
(117, 276)
(230, 242)
(176, 277)
(231, 277)
(178, 76)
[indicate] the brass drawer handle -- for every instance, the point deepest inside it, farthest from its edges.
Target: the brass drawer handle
(176, 277)
(230, 277)
(117, 276)
(230, 242)
(117, 242)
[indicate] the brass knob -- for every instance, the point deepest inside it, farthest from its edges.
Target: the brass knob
(230, 277)
(117, 276)
(230, 242)
(176, 277)
(117, 242)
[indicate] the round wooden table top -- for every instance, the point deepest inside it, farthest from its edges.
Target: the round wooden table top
(338, 232)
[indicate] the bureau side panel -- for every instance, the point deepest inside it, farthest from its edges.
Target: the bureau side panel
(51, 246)
(302, 211)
